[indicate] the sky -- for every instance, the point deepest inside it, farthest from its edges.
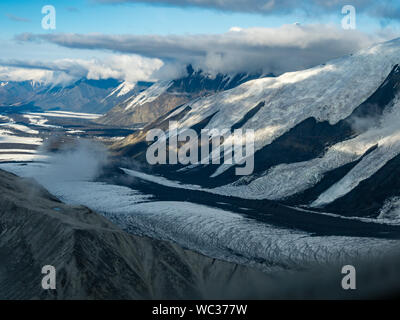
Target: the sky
(154, 39)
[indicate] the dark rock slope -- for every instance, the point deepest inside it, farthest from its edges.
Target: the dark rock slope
(96, 260)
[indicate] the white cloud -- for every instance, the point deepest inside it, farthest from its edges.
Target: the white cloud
(235, 29)
(131, 68)
(37, 75)
(277, 50)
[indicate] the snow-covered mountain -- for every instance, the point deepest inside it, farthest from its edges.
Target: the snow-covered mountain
(326, 147)
(164, 96)
(84, 95)
(327, 137)
(17, 92)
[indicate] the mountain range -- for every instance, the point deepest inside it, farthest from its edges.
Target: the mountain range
(164, 96)
(324, 189)
(84, 95)
(125, 103)
(326, 138)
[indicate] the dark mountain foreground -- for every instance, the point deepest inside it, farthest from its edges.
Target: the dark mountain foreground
(93, 258)
(96, 260)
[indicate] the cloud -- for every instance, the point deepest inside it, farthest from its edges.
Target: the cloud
(131, 68)
(16, 18)
(270, 50)
(37, 75)
(77, 161)
(382, 9)
(72, 9)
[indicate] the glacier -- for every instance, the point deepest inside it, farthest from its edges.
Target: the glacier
(214, 232)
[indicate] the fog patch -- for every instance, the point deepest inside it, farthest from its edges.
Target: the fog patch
(81, 160)
(362, 124)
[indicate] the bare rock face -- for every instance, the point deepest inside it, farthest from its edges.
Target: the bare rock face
(96, 260)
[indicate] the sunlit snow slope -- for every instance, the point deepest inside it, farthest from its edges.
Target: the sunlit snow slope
(320, 134)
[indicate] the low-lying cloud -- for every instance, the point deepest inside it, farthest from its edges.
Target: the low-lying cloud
(81, 161)
(131, 68)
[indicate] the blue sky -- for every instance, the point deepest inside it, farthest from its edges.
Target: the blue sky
(128, 18)
(147, 19)
(137, 18)
(88, 17)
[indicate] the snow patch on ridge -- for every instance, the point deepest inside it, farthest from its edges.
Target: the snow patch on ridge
(123, 89)
(149, 95)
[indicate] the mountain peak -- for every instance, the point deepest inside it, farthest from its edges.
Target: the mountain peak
(189, 69)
